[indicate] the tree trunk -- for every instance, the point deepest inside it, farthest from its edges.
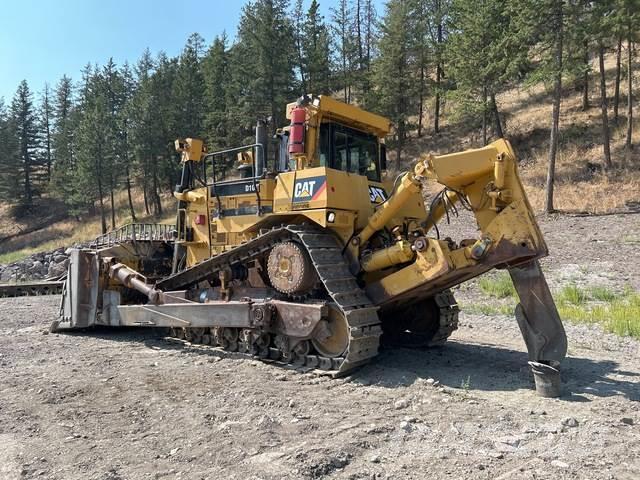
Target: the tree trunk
(400, 144)
(496, 116)
(359, 35)
(27, 175)
(127, 173)
(628, 144)
(157, 204)
(555, 116)
(616, 95)
(47, 121)
(603, 105)
(484, 116)
(145, 194)
(344, 64)
(585, 79)
(369, 34)
(103, 217)
(132, 211)
(436, 113)
(436, 110)
(421, 101)
(113, 209)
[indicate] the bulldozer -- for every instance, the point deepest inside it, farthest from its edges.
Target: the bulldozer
(301, 250)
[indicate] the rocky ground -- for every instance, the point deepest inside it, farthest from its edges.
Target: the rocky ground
(130, 405)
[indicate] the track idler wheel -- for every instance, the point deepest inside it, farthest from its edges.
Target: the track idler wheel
(332, 336)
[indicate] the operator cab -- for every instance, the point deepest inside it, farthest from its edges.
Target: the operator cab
(349, 150)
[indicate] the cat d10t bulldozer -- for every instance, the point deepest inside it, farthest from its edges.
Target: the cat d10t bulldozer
(296, 249)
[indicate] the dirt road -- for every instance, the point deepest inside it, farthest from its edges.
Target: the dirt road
(128, 405)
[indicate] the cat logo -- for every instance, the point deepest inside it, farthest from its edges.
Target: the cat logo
(306, 189)
(377, 194)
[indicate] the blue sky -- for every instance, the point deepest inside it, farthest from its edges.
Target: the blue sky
(40, 40)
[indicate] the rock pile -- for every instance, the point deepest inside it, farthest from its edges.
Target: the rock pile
(39, 266)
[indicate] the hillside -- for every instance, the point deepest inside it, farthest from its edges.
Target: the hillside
(47, 226)
(581, 184)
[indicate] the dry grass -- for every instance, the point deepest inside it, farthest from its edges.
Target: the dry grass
(70, 231)
(581, 184)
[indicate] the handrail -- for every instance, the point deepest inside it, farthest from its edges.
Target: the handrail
(136, 232)
(253, 179)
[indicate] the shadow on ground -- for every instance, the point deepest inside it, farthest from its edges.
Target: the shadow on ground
(482, 367)
(462, 365)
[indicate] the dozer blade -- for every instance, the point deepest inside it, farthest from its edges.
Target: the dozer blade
(80, 293)
(537, 315)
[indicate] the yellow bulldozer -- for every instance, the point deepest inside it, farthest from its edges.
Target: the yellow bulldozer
(297, 250)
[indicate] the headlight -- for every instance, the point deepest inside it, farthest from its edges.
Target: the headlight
(331, 217)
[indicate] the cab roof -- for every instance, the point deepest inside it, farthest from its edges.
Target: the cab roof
(334, 110)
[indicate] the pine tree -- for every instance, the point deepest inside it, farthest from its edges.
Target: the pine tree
(370, 20)
(145, 112)
(438, 21)
(558, 17)
(115, 95)
(578, 46)
(263, 86)
(188, 89)
(392, 71)
(166, 166)
(298, 36)
(65, 119)
(25, 121)
(124, 122)
(93, 149)
(45, 119)
(603, 23)
(215, 68)
(315, 47)
(423, 51)
(545, 26)
(345, 46)
(365, 19)
(631, 16)
(484, 58)
(9, 184)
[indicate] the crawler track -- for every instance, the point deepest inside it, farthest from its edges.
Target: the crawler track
(31, 288)
(341, 289)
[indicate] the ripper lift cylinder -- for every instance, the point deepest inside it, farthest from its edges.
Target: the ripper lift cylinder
(385, 212)
(399, 252)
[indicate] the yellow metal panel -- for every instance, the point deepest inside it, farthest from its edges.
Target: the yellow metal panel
(459, 169)
(430, 264)
(348, 114)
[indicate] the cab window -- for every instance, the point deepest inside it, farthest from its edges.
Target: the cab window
(349, 150)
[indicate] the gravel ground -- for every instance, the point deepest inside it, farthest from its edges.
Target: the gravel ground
(130, 405)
